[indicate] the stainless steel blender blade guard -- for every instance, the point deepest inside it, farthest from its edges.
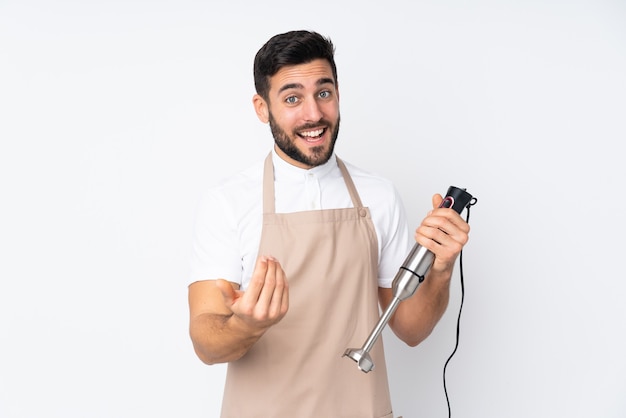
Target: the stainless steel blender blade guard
(361, 357)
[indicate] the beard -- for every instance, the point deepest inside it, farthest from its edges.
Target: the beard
(318, 155)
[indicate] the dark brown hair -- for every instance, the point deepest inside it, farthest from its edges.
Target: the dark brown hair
(290, 48)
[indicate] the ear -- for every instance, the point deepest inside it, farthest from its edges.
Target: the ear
(261, 108)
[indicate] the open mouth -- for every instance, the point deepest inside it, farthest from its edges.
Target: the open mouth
(312, 135)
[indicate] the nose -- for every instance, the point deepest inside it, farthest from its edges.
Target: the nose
(312, 111)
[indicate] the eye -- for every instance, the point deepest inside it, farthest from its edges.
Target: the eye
(324, 94)
(291, 100)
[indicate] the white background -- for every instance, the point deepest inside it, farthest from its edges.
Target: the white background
(115, 115)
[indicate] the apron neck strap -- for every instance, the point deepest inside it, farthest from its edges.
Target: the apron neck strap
(354, 195)
(268, 185)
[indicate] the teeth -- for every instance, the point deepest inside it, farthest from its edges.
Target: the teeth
(313, 134)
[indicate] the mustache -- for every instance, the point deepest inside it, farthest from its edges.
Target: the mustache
(321, 124)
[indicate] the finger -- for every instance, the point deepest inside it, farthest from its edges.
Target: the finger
(280, 297)
(446, 219)
(452, 223)
(445, 244)
(269, 283)
(257, 281)
(442, 231)
(285, 300)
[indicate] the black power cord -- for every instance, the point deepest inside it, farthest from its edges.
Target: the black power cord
(458, 321)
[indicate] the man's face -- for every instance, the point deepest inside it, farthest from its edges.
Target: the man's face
(303, 113)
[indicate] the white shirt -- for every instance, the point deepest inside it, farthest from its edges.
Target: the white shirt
(230, 215)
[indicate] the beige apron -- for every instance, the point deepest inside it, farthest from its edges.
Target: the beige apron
(296, 369)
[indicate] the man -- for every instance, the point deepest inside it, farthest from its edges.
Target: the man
(293, 256)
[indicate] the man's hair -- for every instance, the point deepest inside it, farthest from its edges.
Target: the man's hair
(290, 48)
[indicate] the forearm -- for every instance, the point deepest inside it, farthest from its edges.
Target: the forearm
(221, 338)
(416, 317)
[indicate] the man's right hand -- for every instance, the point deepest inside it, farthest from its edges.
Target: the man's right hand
(224, 322)
(266, 300)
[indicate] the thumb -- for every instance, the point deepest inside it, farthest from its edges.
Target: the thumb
(228, 291)
(437, 199)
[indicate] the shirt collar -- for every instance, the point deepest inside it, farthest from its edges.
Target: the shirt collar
(283, 170)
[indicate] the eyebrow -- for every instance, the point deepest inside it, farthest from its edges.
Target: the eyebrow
(321, 81)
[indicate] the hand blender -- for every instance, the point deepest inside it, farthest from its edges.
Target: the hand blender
(410, 275)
